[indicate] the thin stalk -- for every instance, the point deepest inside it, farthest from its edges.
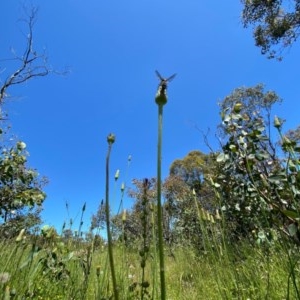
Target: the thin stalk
(110, 140)
(161, 99)
(81, 220)
(159, 206)
(154, 261)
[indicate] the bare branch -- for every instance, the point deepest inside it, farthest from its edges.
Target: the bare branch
(32, 64)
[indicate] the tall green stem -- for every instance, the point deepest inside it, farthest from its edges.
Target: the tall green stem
(110, 140)
(159, 206)
(161, 99)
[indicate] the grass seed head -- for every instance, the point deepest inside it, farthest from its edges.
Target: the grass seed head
(21, 236)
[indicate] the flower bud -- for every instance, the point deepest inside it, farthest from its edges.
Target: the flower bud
(277, 122)
(117, 174)
(21, 146)
(122, 187)
(237, 107)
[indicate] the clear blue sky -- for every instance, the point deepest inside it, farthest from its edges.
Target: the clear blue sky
(112, 49)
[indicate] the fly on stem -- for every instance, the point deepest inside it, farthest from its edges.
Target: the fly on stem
(161, 100)
(161, 95)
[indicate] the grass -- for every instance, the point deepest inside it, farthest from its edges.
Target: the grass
(49, 268)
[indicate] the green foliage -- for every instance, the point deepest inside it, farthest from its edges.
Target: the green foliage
(256, 188)
(99, 219)
(20, 190)
(249, 102)
(276, 23)
(294, 135)
(128, 226)
(189, 198)
(192, 171)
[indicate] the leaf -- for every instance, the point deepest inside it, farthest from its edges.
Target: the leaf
(292, 229)
(232, 147)
(297, 149)
(222, 157)
(291, 214)
(261, 156)
(226, 119)
(292, 166)
(251, 156)
(276, 178)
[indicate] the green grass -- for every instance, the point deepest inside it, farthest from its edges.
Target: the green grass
(57, 270)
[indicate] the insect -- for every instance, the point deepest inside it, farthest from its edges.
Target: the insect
(164, 81)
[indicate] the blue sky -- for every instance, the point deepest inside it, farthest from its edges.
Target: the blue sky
(112, 49)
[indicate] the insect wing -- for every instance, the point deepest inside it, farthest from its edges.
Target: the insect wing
(159, 76)
(171, 78)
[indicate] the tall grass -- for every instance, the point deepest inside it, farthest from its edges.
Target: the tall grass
(48, 268)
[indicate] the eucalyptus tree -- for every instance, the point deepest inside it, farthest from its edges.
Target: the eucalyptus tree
(276, 24)
(187, 192)
(258, 186)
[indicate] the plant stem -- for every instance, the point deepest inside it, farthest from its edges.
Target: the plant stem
(159, 206)
(110, 140)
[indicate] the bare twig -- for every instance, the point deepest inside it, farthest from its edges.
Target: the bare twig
(32, 64)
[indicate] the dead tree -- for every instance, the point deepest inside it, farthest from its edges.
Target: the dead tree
(29, 65)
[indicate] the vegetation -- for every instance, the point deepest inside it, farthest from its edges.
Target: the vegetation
(222, 225)
(276, 24)
(20, 191)
(21, 188)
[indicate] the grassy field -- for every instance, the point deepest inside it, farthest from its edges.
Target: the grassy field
(51, 268)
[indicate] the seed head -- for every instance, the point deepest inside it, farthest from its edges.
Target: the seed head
(124, 215)
(20, 237)
(122, 187)
(117, 174)
(161, 97)
(21, 146)
(111, 138)
(278, 122)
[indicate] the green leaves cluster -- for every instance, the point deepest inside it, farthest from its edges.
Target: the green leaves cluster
(276, 23)
(20, 187)
(258, 190)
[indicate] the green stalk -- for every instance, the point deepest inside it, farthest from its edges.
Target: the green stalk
(160, 99)
(110, 140)
(81, 219)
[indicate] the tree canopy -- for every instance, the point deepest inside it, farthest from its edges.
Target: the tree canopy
(276, 24)
(257, 188)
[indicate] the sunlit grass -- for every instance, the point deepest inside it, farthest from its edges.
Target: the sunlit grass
(47, 268)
